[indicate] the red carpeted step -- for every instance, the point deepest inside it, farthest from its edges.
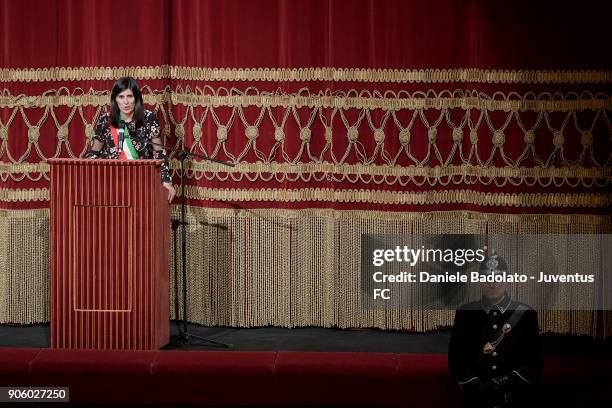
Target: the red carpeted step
(349, 379)
(214, 378)
(285, 378)
(577, 381)
(427, 375)
(15, 366)
(98, 376)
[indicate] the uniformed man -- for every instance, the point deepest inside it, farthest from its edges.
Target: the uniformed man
(494, 353)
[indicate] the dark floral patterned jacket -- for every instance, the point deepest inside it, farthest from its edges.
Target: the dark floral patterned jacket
(149, 131)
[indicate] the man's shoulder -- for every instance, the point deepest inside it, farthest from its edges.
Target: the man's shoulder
(476, 305)
(516, 305)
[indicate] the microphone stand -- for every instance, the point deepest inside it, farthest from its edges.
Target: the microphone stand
(183, 337)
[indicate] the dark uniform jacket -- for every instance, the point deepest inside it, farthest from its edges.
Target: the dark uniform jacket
(519, 353)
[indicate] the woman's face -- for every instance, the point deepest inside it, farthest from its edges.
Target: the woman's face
(125, 101)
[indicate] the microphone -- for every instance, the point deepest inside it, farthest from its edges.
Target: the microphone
(121, 136)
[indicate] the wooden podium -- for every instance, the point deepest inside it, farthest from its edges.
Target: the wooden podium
(110, 224)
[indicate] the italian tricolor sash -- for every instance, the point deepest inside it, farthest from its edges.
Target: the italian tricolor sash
(128, 152)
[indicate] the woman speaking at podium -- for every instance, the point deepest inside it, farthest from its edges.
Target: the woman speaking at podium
(130, 131)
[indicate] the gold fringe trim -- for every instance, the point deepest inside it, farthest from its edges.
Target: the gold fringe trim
(598, 223)
(308, 74)
(411, 103)
(26, 194)
(341, 100)
(290, 268)
(398, 171)
(23, 168)
(81, 73)
(402, 197)
(24, 266)
(364, 196)
(531, 173)
(24, 214)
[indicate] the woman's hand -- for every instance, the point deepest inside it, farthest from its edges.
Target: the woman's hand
(171, 191)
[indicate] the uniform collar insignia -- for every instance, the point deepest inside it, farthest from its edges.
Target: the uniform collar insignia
(501, 306)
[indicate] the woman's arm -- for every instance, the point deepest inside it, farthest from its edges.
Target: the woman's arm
(98, 140)
(96, 150)
(160, 154)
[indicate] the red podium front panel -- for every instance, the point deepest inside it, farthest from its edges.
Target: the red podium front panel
(110, 223)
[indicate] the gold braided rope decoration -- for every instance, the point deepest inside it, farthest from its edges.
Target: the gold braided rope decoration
(389, 136)
(290, 268)
(24, 195)
(396, 175)
(403, 176)
(322, 171)
(24, 214)
(373, 170)
(550, 200)
(351, 99)
(307, 74)
(401, 197)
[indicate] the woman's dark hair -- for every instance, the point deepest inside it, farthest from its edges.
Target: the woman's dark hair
(121, 85)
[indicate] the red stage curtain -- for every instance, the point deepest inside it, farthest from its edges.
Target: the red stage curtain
(465, 116)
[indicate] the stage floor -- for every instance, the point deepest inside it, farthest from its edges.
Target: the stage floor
(271, 339)
(317, 339)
